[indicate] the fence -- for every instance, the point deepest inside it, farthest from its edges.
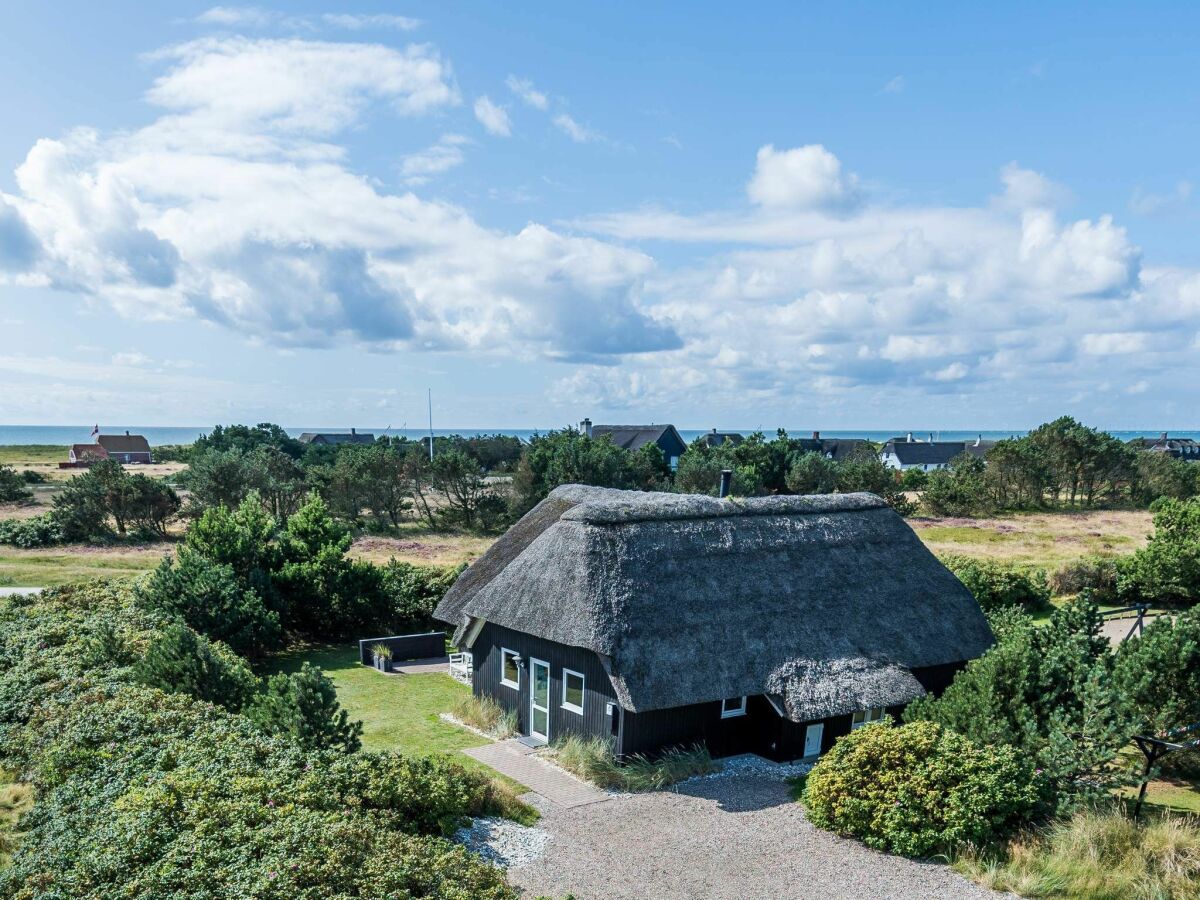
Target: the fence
(406, 646)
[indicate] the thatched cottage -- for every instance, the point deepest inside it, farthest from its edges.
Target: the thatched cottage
(771, 625)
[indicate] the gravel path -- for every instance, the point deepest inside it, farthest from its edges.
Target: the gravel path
(738, 837)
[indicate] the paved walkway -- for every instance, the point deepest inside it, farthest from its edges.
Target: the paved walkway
(517, 761)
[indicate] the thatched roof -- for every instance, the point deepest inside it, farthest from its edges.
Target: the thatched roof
(825, 602)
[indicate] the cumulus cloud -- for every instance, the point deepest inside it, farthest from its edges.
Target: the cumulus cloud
(18, 246)
(359, 22)
(530, 95)
(1027, 189)
(237, 207)
(254, 17)
(493, 118)
(807, 177)
(237, 16)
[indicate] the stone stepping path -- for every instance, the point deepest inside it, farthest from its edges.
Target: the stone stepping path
(518, 762)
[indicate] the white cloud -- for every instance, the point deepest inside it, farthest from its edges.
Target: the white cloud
(1026, 189)
(894, 85)
(572, 129)
(524, 89)
(1114, 343)
(237, 16)
(131, 358)
(359, 22)
(235, 207)
(1145, 203)
(807, 177)
(493, 118)
(440, 157)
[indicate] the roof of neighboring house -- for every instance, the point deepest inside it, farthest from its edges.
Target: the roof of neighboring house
(88, 450)
(827, 603)
(836, 448)
(925, 452)
(336, 437)
(716, 438)
(1164, 443)
(123, 443)
(979, 447)
(632, 437)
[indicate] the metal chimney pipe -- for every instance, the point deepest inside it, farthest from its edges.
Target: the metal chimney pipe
(726, 482)
(816, 435)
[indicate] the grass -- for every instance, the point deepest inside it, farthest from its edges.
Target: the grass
(21, 456)
(1099, 855)
(592, 760)
(398, 712)
(487, 715)
(16, 799)
(414, 543)
(1043, 540)
(53, 566)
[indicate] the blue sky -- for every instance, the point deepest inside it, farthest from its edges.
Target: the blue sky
(850, 216)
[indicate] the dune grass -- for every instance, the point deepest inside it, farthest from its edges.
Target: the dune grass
(487, 715)
(592, 760)
(55, 566)
(20, 455)
(1098, 855)
(398, 712)
(16, 799)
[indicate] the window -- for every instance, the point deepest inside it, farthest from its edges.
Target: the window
(510, 672)
(734, 706)
(572, 698)
(866, 717)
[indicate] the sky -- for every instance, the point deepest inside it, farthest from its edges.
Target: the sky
(717, 215)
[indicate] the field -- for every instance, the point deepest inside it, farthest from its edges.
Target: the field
(53, 566)
(44, 459)
(1037, 540)
(398, 712)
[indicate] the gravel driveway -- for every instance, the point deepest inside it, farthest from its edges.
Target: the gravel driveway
(739, 837)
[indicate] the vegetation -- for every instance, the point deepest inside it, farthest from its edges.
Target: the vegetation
(13, 487)
(486, 715)
(131, 781)
(919, 789)
(997, 586)
(1167, 569)
(1098, 575)
(1049, 693)
(1158, 675)
(1094, 855)
(304, 706)
(185, 662)
(592, 759)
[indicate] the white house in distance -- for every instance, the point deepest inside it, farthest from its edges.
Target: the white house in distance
(903, 453)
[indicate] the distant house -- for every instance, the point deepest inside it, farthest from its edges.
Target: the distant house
(125, 448)
(1179, 448)
(336, 437)
(905, 453)
(770, 625)
(634, 437)
(839, 449)
(83, 455)
(716, 438)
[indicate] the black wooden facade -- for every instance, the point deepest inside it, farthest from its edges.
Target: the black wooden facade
(761, 730)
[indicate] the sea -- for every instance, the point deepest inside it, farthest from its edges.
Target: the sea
(158, 435)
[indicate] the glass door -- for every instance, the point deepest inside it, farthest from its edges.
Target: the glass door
(539, 699)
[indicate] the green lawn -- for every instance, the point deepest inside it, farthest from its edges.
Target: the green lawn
(398, 712)
(18, 455)
(53, 567)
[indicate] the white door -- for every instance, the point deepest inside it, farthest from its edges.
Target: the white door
(539, 700)
(812, 739)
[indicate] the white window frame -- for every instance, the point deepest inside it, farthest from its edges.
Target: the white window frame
(582, 691)
(515, 685)
(874, 714)
(733, 713)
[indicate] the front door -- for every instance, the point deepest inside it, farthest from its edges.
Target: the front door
(539, 700)
(812, 739)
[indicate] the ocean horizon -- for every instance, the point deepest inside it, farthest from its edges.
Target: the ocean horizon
(159, 435)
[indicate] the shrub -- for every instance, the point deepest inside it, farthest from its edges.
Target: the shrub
(1159, 673)
(918, 789)
(12, 486)
(1096, 574)
(36, 531)
(1167, 569)
(304, 706)
(487, 715)
(996, 586)
(208, 597)
(1094, 854)
(592, 759)
(413, 592)
(186, 663)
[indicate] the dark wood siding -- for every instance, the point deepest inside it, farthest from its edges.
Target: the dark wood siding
(598, 691)
(651, 732)
(406, 646)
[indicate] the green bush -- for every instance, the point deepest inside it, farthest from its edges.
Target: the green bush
(996, 586)
(1167, 569)
(1095, 574)
(208, 597)
(413, 592)
(12, 486)
(918, 789)
(181, 661)
(304, 706)
(1158, 674)
(36, 531)
(146, 795)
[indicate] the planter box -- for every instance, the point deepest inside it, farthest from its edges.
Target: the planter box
(383, 664)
